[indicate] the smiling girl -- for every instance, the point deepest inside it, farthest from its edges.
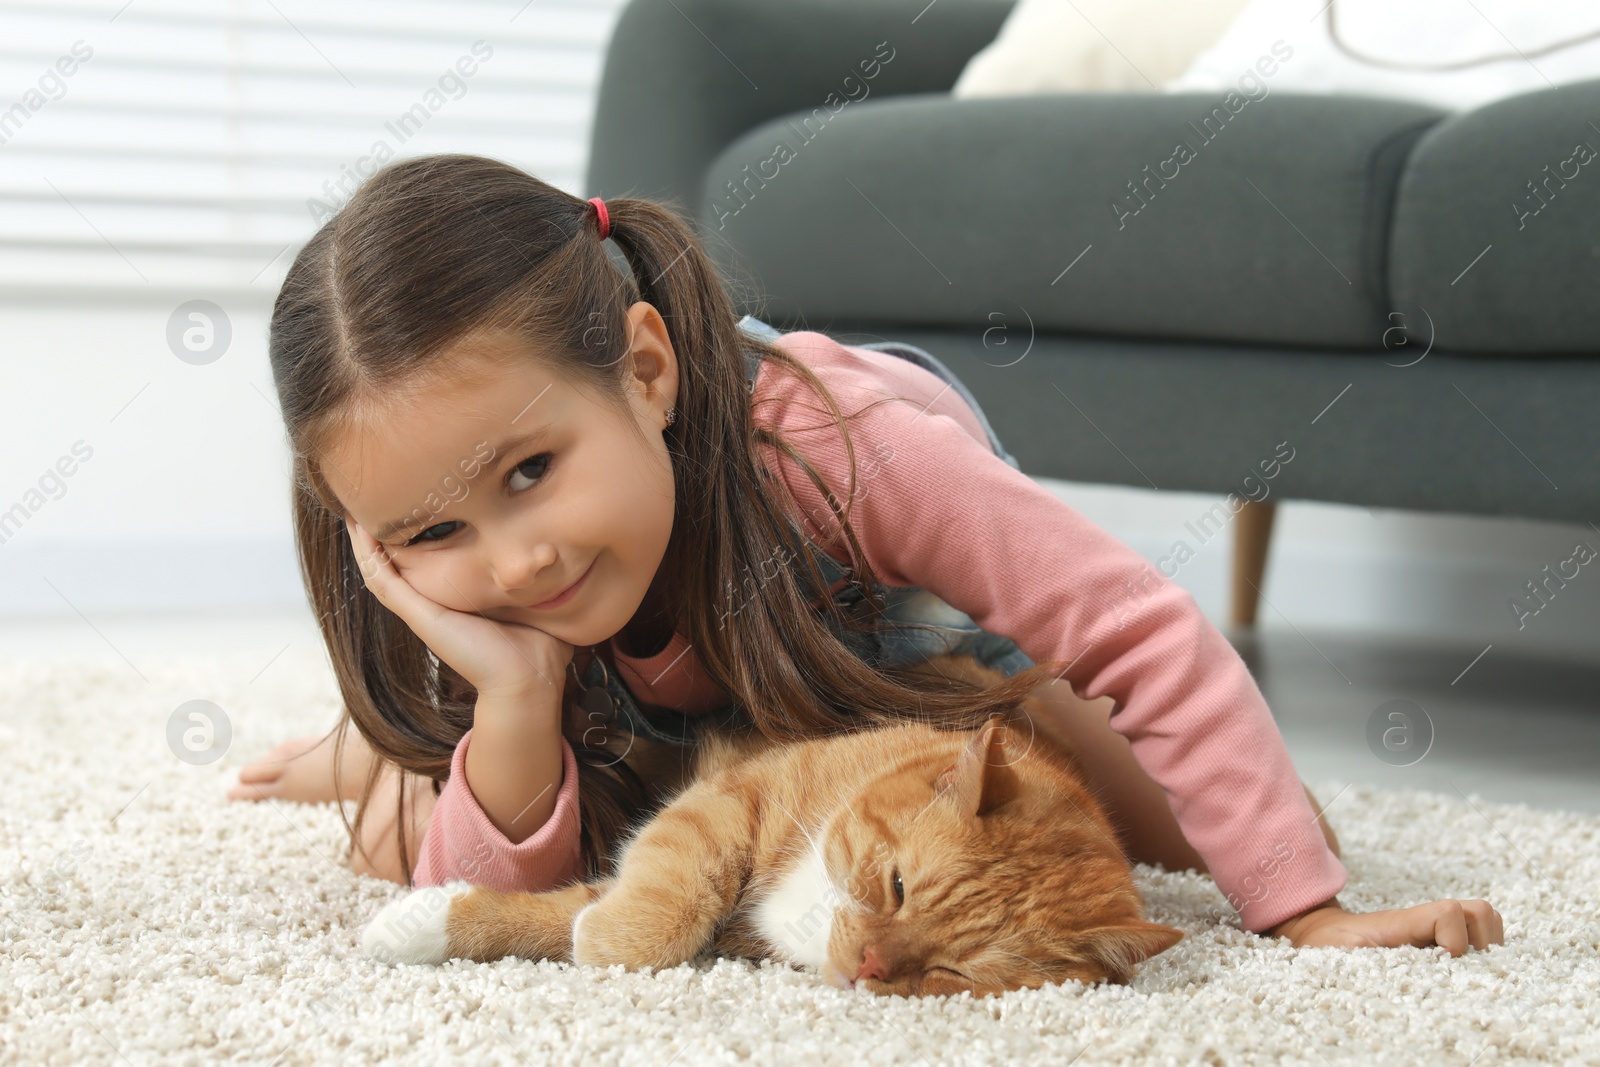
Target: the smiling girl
(548, 505)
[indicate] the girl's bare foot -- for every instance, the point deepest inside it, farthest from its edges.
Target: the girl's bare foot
(301, 769)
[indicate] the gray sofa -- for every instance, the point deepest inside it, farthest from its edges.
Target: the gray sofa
(1404, 300)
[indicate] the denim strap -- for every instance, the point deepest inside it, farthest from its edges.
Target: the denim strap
(670, 727)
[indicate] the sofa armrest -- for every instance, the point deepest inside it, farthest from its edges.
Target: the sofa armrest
(683, 78)
(1495, 245)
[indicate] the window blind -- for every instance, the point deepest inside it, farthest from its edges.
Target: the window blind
(161, 149)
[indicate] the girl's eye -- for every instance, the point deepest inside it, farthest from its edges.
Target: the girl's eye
(533, 463)
(899, 888)
(423, 536)
(540, 464)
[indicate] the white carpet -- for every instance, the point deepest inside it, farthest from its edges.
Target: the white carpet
(144, 919)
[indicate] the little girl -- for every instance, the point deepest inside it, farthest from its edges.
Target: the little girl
(553, 511)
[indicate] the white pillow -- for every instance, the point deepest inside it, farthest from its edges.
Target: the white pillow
(1559, 42)
(1058, 46)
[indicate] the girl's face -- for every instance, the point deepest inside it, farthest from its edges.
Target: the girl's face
(500, 489)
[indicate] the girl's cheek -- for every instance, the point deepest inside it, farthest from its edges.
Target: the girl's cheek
(443, 583)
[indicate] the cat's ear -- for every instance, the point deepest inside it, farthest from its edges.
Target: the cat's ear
(982, 778)
(1122, 946)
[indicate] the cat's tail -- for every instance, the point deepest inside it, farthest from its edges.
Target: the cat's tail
(459, 920)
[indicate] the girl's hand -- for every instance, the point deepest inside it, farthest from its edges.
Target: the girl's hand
(300, 769)
(1453, 924)
(496, 657)
(303, 769)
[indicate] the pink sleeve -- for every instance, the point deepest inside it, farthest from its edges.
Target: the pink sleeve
(461, 842)
(941, 511)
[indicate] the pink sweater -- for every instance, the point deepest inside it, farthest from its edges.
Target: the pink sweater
(943, 512)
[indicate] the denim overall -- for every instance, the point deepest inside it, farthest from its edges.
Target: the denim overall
(943, 629)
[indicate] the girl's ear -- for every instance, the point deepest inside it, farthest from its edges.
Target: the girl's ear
(652, 362)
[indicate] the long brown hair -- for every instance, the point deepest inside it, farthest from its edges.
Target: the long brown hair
(435, 248)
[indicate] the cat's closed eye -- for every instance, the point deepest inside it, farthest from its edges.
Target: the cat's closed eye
(944, 981)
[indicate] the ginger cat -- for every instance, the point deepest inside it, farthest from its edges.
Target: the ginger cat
(901, 859)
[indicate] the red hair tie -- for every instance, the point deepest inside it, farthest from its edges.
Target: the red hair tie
(605, 216)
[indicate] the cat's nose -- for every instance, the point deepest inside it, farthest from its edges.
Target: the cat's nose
(872, 965)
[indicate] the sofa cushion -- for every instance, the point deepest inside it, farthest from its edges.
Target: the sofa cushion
(1496, 238)
(1204, 215)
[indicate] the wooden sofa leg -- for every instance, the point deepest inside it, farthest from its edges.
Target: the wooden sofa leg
(1252, 535)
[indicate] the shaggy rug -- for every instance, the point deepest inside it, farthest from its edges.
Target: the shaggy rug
(145, 919)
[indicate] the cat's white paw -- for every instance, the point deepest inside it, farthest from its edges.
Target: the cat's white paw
(577, 923)
(412, 929)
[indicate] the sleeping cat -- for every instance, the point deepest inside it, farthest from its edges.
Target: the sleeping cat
(899, 859)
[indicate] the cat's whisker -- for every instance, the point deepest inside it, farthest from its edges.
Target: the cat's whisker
(983, 974)
(832, 886)
(1024, 959)
(794, 819)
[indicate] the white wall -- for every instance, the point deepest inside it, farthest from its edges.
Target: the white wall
(157, 153)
